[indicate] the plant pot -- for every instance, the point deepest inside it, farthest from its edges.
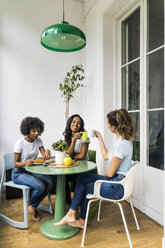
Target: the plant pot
(59, 157)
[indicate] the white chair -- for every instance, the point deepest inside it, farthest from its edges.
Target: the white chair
(128, 183)
(9, 164)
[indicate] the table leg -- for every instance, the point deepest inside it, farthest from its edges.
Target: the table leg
(48, 229)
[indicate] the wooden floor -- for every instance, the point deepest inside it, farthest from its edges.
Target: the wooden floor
(108, 233)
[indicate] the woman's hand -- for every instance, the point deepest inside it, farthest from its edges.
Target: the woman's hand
(103, 149)
(98, 135)
(29, 162)
(77, 136)
(47, 154)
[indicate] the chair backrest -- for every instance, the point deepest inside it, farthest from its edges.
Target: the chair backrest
(128, 182)
(135, 162)
(92, 155)
(9, 161)
(1, 180)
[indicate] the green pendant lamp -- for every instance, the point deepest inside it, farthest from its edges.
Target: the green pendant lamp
(63, 37)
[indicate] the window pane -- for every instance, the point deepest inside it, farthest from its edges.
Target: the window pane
(131, 37)
(156, 139)
(131, 86)
(136, 142)
(155, 24)
(155, 84)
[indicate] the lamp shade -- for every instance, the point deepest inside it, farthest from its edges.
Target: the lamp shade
(63, 37)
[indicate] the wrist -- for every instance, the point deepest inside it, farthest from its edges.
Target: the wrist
(74, 139)
(100, 139)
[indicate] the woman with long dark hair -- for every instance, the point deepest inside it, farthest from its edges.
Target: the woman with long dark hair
(78, 148)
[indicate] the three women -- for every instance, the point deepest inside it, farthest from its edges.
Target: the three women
(119, 122)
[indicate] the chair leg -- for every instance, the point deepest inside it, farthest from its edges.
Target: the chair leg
(25, 200)
(85, 225)
(133, 211)
(18, 224)
(125, 224)
(46, 208)
(86, 220)
(98, 216)
(50, 204)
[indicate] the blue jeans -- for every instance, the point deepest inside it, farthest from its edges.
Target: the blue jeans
(85, 185)
(40, 184)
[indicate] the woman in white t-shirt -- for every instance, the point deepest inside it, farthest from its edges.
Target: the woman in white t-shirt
(120, 123)
(25, 152)
(78, 148)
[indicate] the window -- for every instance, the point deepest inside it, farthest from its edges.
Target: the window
(130, 71)
(152, 106)
(155, 83)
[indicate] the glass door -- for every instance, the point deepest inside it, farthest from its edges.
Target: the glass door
(155, 83)
(130, 72)
(142, 94)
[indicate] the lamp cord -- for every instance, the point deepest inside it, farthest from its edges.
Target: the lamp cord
(63, 12)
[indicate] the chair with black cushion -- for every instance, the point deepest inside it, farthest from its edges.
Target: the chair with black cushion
(9, 164)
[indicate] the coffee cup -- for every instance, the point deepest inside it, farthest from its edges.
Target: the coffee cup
(84, 136)
(91, 133)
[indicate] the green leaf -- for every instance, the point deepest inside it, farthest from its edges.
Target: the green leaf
(60, 145)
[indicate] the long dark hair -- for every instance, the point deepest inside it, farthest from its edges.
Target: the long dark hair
(68, 132)
(122, 120)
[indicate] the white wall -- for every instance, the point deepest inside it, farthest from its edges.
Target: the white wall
(29, 73)
(94, 71)
(99, 72)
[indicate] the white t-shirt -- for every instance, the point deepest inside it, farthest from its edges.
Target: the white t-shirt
(122, 149)
(27, 149)
(77, 147)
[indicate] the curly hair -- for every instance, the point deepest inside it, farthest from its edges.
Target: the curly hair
(68, 132)
(122, 120)
(29, 123)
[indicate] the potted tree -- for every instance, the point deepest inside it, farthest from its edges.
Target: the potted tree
(60, 148)
(72, 82)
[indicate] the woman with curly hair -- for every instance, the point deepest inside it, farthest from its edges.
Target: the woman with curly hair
(120, 123)
(78, 148)
(25, 152)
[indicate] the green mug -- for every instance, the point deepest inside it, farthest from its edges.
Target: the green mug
(84, 136)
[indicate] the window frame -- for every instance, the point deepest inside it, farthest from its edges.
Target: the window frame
(144, 110)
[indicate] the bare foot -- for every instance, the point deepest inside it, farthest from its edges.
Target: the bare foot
(34, 212)
(66, 219)
(69, 217)
(35, 216)
(77, 223)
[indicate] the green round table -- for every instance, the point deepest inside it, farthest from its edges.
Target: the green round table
(48, 229)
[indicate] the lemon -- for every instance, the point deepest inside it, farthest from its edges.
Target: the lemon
(67, 161)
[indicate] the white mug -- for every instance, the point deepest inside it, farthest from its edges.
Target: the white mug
(91, 133)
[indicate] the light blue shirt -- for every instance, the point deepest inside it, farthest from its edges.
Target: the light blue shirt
(122, 149)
